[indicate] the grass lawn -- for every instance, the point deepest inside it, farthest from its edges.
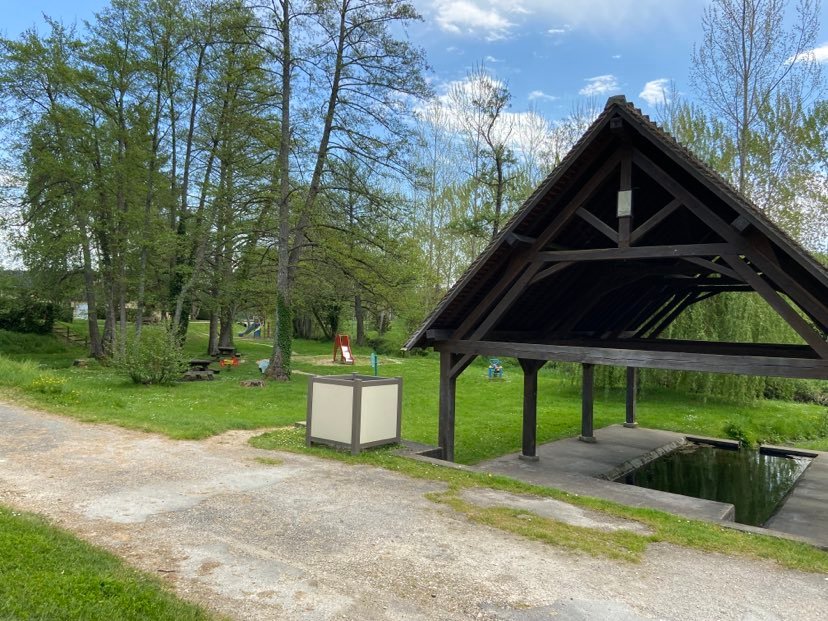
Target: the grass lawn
(46, 573)
(39, 371)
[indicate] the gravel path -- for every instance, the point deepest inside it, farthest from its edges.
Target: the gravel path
(315, 539)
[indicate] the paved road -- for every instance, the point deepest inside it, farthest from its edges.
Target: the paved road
(315, 539)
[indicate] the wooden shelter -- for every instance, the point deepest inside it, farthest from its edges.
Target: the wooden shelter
(629, 231)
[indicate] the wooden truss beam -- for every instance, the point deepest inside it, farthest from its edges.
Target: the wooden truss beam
(769, 294)
(527, 257)
(597, 224)
(714, 267)
(638, 252)
(770, 366)
(654, 220)
(769, 267)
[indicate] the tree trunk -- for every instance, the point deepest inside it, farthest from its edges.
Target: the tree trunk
(212, 340)
(227, 327)
(95, 346)
(359, 315)
(279, 367)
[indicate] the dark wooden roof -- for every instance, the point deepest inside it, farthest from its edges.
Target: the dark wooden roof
(566, 270)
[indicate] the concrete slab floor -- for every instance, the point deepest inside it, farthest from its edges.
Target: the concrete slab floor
(577, 467)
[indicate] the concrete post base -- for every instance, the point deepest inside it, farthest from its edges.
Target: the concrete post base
(588, 439)
(630, 425)
(523, 457)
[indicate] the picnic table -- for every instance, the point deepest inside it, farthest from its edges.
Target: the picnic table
(226, 351)
(199, 370)
(200, 364)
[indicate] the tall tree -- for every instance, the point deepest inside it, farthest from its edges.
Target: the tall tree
(481, 102)
(361, 77)
(749, 62)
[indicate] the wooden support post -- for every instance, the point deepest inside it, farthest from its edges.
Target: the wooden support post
(632, 385)
(530, 407)
(625, 201)
(586, 404)
(448, 391)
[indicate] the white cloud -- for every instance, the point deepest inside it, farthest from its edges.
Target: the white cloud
(616, 56)
(492, 59)
(497, 19)
(520, 130)
(559, 30)
(818, 54)
(600, 85)
(468, 17)
(656, 91)
(534, 95)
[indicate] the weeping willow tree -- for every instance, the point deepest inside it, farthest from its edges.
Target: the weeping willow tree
(734, 318)
(727, 317)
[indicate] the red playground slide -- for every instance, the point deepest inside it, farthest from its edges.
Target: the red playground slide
(342, 348)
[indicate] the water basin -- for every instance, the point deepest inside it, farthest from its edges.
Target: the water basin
(753, 481)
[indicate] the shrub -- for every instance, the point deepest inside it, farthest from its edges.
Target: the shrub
(735, 431)
(154, 358)
(26, 313)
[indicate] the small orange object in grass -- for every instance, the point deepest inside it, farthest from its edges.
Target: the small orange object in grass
(229, 362)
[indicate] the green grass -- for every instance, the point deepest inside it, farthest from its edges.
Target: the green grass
(488, 424)
(46, 573)
(488, 412)
(665, 527)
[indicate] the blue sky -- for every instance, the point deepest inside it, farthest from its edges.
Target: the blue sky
(551, 53)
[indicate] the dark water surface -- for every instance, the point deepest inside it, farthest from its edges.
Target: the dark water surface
(753, 482)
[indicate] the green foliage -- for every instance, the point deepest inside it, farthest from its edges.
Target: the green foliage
(728, 317)
(488, 413)
(735, 431)
(26, 313)
(49, 574)
(154, 357)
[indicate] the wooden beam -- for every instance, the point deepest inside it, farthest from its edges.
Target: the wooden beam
(583, 195)
(691, 299)
(460, 364)
(637, 252)
(770, 366)
(549, 271)
(796, 292)
(587, 399)
(769, 294)
(672, 302)
(714, 267)
(633, 315)
(530, 407)
(512, 272)
(448, 394)
(784, 350)
(740, 224)
(654, 220)
(625, 186)
(632, 386)
(438, 335)
(513, 239)
(597, 224)
(524, 261)
(507, 300)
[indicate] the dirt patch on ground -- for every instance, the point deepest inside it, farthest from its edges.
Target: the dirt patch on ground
(316, 539)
